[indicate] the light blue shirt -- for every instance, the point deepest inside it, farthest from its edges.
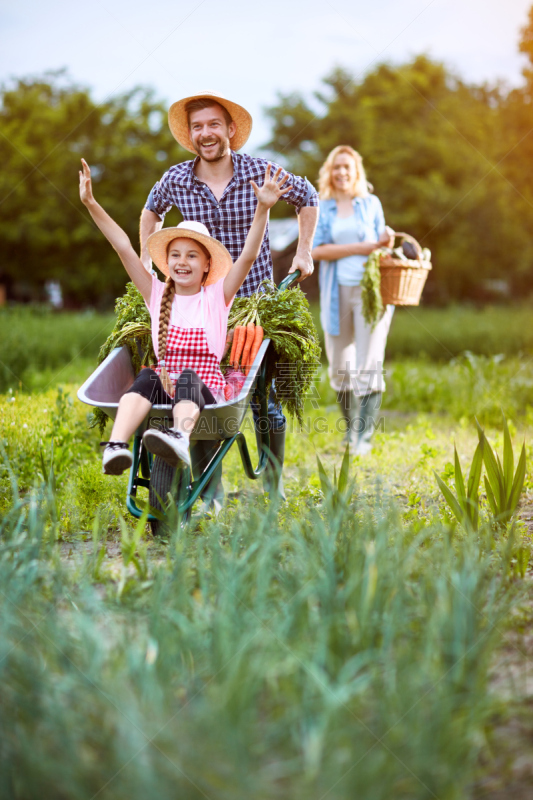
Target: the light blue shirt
(346, 230)
(370, 222)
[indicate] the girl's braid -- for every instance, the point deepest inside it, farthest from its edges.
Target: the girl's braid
(164, 319)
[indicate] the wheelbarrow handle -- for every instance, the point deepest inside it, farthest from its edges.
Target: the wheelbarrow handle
(289, 280)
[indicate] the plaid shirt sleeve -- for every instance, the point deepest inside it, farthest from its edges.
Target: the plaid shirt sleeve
(157, 200)
(302, 194)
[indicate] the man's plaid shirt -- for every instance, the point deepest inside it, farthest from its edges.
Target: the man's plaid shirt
(230, 218)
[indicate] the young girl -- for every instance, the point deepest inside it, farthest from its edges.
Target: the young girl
(189, 314)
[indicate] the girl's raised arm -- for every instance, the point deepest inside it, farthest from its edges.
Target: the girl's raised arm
(267, 196)
(115, 235)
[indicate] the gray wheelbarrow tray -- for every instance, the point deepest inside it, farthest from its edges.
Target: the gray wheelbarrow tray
(220, 423)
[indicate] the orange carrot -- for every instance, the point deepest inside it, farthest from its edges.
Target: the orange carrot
(233, 343)
(258, 338)
(236, 336)
(240, 336)
(250, 334)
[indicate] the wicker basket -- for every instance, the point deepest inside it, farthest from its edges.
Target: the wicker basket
(402, 281)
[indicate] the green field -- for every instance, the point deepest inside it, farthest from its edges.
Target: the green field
(41, 347)
(352, 644)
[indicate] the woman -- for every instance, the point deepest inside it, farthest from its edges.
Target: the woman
(189, 314)
(350, 227)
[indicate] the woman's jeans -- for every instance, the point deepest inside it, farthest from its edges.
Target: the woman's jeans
(355, 357)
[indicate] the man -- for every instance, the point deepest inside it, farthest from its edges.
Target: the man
(215, 189)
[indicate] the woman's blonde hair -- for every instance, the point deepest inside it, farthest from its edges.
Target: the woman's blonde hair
(360, 188)
(164, 319)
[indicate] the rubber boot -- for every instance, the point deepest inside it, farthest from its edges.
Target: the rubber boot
(272, 476)
(368, 413)
(349, 405)
(202, 451)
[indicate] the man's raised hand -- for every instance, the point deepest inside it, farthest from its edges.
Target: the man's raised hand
(86, 189)
(272, 189)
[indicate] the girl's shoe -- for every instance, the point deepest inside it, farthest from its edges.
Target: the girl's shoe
(116, 457)
(169, 444)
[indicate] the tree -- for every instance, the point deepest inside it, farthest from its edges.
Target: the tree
(46, 125)
(516, 159)
(430, 143)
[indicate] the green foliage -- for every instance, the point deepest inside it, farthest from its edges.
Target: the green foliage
(446, 159)
(41, 438)
(51, 345)
(134, 550)
(502, 484)
(440, 334)
(48, 123)
(35, 339)
(371, 289)
(337, 491)
(461, 386)
(465, 504)
(132, 326)
(276, 646)
(41, 347)
(133, 329)
(258, 657)
(517, 120)
(295, 353)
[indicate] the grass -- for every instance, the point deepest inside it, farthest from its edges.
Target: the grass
(485, 384)
(443, 333)
(330, 648)
(42, 347)
(440, 334)
(271, 655)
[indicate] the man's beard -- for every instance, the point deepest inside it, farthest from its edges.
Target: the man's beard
(217, 155)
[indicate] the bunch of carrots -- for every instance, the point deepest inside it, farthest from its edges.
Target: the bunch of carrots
(246, 343)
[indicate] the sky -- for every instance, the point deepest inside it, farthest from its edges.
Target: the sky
(249, 50)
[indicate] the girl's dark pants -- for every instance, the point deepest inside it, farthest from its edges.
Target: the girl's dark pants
(188, 387)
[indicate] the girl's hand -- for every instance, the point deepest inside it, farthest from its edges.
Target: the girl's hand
(86, 189)
(272, 188)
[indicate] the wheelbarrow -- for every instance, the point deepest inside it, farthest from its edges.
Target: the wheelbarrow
(217, 423)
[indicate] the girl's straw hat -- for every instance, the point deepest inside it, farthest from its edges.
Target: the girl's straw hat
(221, 261)
(179, 124)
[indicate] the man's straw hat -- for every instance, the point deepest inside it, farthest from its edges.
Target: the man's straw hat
(179, 124)
(221, 261)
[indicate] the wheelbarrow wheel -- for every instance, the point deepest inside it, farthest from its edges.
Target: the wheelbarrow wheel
(162, 479)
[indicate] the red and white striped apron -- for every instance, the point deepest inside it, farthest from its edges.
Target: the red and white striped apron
(188, 348)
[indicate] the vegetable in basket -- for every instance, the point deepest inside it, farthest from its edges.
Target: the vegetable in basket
(371, 294)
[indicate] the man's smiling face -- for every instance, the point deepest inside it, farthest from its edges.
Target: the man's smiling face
(210, 133)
